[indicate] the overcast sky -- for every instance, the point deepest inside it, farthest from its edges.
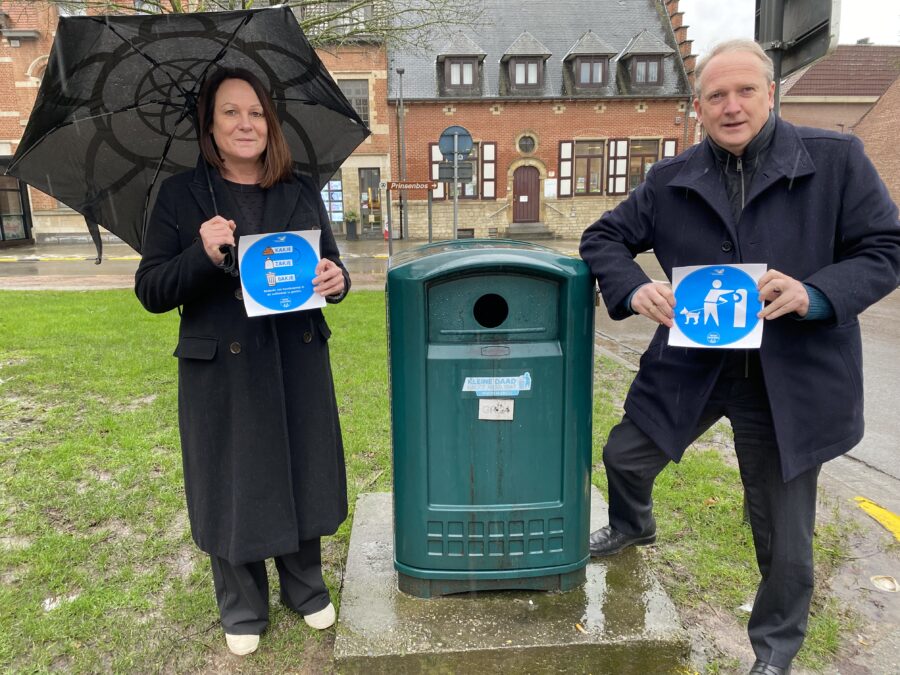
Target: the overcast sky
(712, 21)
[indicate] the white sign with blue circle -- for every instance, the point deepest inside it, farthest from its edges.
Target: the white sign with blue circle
(277, 272)
(716, 306)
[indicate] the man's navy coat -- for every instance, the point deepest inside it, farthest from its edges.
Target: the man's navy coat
(816, 211)
(260, 437)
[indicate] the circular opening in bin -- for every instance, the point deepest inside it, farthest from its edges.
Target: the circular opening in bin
(490, 310)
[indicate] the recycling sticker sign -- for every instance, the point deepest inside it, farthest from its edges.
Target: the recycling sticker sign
(277, 272)
(716, 307)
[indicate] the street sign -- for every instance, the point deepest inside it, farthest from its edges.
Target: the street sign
(412, 185)
(802, 31)
(463, 140)
(464, 171)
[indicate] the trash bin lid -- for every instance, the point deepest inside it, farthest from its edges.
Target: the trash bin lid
(449, 246)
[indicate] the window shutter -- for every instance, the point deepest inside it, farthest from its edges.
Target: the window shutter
(436, 159)
(565, 168)
(670, 147)
(617, 181)
(489, 170)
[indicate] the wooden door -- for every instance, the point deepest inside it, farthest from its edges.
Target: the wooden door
(526, 195)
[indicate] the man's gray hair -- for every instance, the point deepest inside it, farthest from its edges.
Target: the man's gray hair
(730, 46)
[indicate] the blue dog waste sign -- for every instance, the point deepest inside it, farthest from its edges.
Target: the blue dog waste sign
(277, 272)
(716, 306)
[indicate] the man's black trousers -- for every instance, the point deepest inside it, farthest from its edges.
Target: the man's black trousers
(782, 515)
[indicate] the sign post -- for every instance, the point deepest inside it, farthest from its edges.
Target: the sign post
(795, 33)
(455, 141)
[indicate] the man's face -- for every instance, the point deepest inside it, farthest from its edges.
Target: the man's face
(735, 99)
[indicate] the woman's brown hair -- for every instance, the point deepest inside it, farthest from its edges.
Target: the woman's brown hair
(276, 158)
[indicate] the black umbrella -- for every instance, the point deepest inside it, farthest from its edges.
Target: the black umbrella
(115, 114)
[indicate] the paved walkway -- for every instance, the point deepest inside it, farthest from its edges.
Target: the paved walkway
(73, 266)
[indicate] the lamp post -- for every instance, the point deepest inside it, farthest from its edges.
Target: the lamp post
(404, 220)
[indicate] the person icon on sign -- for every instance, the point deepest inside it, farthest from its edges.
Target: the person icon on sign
(712, 301)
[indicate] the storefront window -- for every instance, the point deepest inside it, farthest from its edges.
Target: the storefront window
(14, 221)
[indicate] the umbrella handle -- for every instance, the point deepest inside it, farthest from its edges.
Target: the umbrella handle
(229, 265)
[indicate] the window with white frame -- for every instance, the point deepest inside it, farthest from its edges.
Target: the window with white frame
(357, 92)
(526, 73)
(436, 158)
(590, 71)
(489, 170)
(589, 167)
(617, 168)
(646, 69)
(461, 73)
(566, 159)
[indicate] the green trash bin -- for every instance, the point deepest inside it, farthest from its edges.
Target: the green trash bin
(491, 363)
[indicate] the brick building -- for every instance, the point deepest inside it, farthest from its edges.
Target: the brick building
(361, 72)
(566, 114)
(878, 130)
(610, 95)
(837, 91)
(27, 30)
(856, 89)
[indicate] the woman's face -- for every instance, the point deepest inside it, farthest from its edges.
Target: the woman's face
(239, 125)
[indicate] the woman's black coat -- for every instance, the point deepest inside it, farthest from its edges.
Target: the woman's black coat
(260, 436)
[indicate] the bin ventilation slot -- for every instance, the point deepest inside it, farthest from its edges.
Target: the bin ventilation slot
(490, 310)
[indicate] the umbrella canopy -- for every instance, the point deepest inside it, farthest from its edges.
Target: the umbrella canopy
(115, 114)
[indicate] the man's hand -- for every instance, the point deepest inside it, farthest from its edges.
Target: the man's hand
(329, 279)
(214, 233)
(782, 295)
(656, 301)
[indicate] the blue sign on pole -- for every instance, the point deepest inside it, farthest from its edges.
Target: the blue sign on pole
(716, 306)
(463, 143)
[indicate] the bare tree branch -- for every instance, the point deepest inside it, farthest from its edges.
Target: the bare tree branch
(405, 23)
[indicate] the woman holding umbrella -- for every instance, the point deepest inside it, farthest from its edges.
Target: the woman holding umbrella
(261, 441)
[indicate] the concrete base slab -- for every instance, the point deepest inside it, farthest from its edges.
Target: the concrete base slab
(620, 621)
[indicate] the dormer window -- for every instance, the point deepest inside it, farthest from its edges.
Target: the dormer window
(526, 73)
(590, 71)
(460, 73)
(646, 69)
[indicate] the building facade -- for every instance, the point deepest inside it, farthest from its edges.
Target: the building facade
(27, 30)
(565, 116)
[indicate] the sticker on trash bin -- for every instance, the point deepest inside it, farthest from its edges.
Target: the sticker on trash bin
(496, 408)
(498, 386)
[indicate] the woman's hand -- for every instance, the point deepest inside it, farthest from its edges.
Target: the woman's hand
(214, 233)
(329, 279)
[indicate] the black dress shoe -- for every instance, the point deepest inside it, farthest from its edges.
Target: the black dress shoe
(607, 541)
(760, 668)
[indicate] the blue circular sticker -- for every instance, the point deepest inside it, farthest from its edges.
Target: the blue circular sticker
(717, 305)
(277, 271)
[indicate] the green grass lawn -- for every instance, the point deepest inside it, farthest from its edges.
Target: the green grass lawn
(97, 568)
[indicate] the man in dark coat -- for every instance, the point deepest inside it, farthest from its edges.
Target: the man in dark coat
(808, 204)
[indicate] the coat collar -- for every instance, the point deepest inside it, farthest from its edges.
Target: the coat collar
(787, 158)
(281, 198)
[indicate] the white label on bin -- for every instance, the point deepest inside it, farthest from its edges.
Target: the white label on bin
(495, 408)
(498, 386)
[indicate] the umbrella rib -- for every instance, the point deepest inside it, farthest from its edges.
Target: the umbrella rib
(159, 164)
(156, 63)
(87, 118)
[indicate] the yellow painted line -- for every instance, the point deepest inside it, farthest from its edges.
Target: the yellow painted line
(8, 259)
(889, 521)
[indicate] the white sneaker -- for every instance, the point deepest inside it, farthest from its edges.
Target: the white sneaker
(241, 645)
(322, 619)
